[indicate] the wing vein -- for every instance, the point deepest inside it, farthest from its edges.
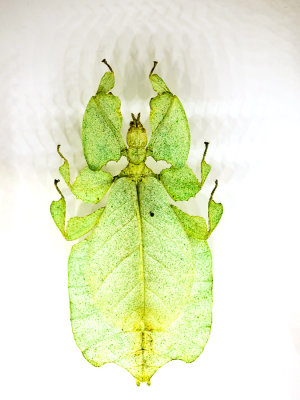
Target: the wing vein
(106, 118)
(166, 268)
(124, 297)
(156, 295)
(162, 234)
(166, 114)
(112, 235)
(117, 265)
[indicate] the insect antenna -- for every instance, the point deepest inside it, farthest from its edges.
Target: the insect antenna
(153, 68)
(106, 63)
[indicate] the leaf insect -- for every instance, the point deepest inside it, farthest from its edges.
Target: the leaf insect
(140, 284)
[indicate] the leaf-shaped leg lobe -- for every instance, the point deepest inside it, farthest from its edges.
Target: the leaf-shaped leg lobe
(89, 186)
(131, 283)
(76, 226)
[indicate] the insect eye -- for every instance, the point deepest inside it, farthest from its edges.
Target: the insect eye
(151, 214)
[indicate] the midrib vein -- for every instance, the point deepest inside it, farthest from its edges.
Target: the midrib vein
(114, 130)
(166, 114)
(105, 117)
(141, 250)
(142, 276)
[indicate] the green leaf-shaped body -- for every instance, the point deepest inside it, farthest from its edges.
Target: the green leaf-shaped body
(135, 282)
(140, 283)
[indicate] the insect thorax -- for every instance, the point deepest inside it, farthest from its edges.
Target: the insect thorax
(137, 141)
(136, 152)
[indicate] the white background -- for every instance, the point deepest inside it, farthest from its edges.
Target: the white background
(235, 66)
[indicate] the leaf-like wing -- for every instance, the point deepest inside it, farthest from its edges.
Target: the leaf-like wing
(180, 183)
(170, 139)
(101, 126)
(132, 281)
(186, 338)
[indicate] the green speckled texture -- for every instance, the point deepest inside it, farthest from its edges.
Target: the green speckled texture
(101, 126)
(140, 284)
(181, 183)
(170, 140)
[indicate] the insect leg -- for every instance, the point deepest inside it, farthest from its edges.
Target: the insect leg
(215, 211)
(195, 226)
(205, 168)
(77, 226)
(89, 186)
